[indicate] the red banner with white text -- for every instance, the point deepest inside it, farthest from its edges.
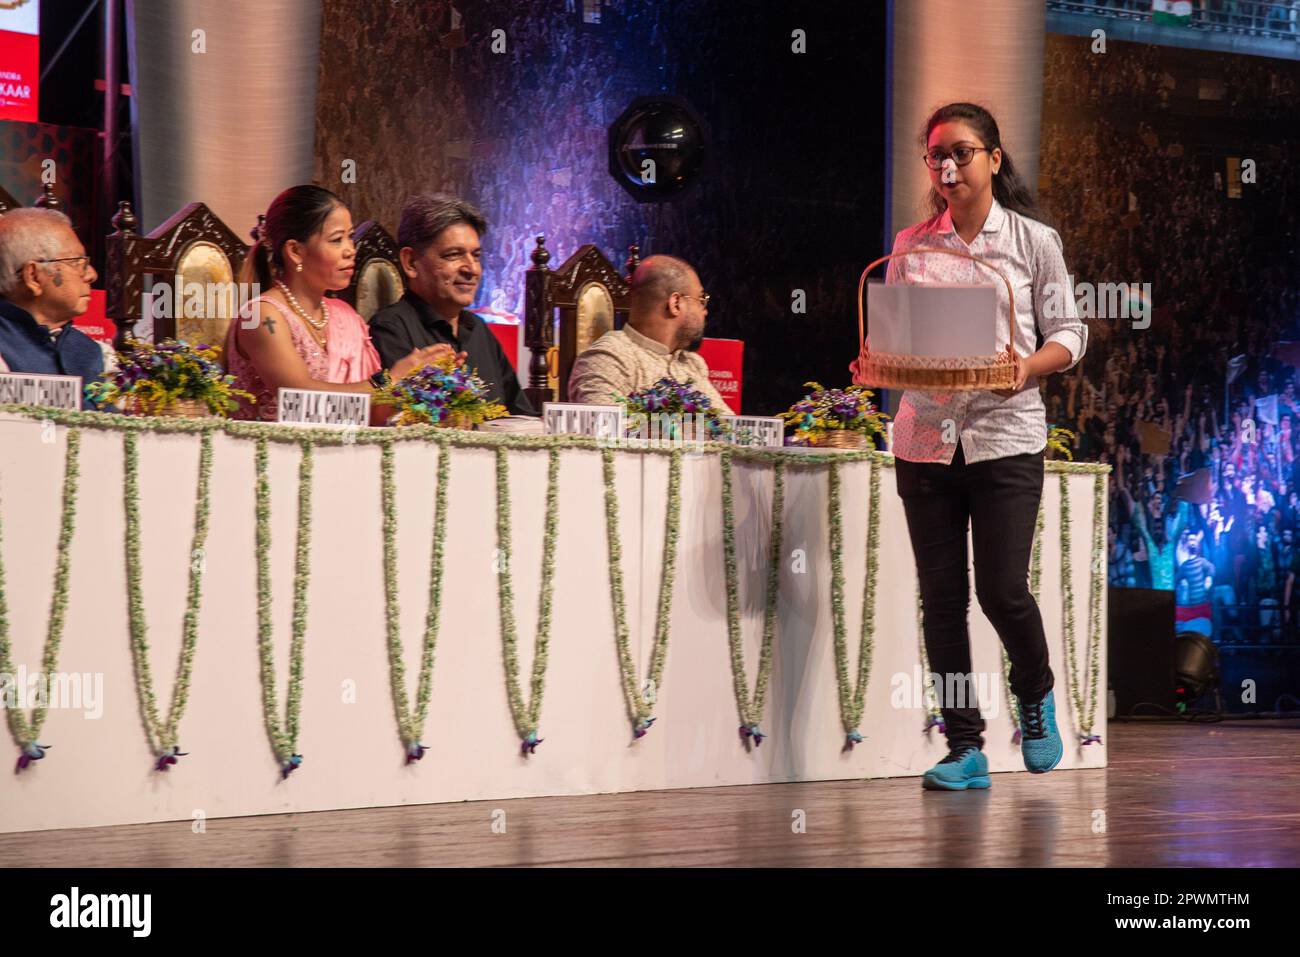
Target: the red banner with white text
(20, 59)
(725, 359)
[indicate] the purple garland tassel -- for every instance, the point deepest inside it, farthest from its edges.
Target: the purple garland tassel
(1090, 739)
(934, 721)
(751, 731)
(414, 751)
(29, 753)
(642, 726)
(530, 743)
(852, 738)
(289, 766)
(1015, 738)
(168, 758)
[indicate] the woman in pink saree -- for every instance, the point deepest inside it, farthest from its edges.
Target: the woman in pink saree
(292, 336)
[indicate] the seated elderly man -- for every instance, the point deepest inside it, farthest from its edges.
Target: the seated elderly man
(664, 328)
(45, 278)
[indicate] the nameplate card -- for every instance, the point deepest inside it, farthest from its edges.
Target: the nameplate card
(55, 391)
(312, 407)
(574, 418)
(754, 431)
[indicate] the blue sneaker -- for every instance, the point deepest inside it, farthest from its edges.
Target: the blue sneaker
(1040, 742)
(963, 768)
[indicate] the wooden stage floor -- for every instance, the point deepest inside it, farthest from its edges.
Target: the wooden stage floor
(1175, 795)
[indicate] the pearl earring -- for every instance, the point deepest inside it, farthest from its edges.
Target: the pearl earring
(299, 267)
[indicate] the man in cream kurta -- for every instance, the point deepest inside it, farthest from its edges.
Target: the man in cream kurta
(664, 329)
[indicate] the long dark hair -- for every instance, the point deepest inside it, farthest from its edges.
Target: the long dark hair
(297, 213)
(1009, 188)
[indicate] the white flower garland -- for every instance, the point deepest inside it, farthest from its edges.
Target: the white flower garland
(284, 738)
(1084, 693)
(853, 696)
(526, 716)
(410, 724)
(162, 735)
(640, 702)
(751, 709)
(25, 732)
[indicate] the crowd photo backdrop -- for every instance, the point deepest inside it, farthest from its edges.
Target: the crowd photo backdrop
(1200, 408)
(523, 134)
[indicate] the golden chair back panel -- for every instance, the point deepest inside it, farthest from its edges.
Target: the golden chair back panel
(380, 285)
(206, 309)
(595, 314)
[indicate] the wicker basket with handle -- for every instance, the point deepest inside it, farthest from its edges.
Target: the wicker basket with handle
(888, 370)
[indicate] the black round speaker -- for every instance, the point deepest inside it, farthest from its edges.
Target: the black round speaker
(657, 148)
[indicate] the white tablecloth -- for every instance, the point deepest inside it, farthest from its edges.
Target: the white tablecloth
(100, 771)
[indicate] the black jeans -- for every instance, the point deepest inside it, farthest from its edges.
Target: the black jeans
(999, 499)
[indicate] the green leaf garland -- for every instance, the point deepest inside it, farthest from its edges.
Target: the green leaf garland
(526, 716)
(25, 732)
(751, 709)
(329, 436)
(639, 707)
(284, 738)
(1084, 694)
(162, 735)
(410, 724)
(853, 696)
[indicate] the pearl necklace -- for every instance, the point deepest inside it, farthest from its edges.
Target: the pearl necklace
(306, 316)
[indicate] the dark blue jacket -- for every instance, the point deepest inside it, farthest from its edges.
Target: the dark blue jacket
(28, 347)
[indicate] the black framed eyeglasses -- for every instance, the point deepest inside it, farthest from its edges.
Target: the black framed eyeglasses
(961, 155)
(83, 260)
(704, 299)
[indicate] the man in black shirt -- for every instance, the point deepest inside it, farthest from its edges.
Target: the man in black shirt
(441, 253)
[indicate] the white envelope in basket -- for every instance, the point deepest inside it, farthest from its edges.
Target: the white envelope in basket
(932, 320)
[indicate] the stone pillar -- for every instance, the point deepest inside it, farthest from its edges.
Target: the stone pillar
(232, 125)
(947, 50)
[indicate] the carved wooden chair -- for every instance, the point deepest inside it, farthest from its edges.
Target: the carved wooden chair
(378, 280)
(566, 310)
(47, 199)
(194, 246)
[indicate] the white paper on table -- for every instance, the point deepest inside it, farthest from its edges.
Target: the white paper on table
(932, 320)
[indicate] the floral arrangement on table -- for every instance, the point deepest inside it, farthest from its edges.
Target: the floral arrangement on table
(442, 393)
(1059, 439)
(671, 398)
(168, 378)
(836, 418)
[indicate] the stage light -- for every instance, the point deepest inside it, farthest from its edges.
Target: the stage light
(1196, 668)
